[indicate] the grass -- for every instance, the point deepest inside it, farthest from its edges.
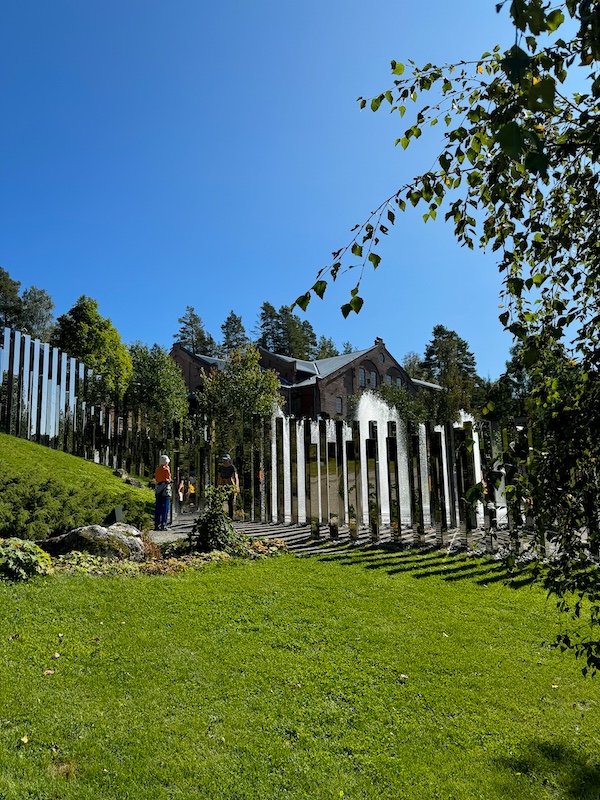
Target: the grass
(373, 675)
(95, 490)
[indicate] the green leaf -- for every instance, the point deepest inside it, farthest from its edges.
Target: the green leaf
(554, 20)
(541, 95)
(375, 260)
(510, 139)
(303, 301)
(515, 64)
(357, 250)
(356, 304)
(346, 309)
(537, 163)
(397, 68)
(375, 103)
(530, 355)
(319, 288)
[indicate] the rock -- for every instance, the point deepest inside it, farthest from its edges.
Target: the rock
(134, 482)
(125, 529)
(120, 542)
(120, 473)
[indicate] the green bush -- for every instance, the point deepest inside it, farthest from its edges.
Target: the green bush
(20, 560)
(213, 529)
(33, 507)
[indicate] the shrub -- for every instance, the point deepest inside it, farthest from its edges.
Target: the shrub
(213, 529)
(20, 560)
(36, 508)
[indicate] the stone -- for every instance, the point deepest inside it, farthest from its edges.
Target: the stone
(134, 482)
(120, 473)
(120, 542)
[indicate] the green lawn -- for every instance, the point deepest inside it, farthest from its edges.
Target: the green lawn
(376, 675)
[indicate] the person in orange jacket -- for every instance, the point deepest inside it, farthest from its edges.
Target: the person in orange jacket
(162, 492)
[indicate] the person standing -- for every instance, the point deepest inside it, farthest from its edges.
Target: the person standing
(162, 492)
(228, 476)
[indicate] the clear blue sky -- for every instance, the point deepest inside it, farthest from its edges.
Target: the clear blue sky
(155, 155)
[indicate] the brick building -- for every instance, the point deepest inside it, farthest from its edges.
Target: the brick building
(314, 389)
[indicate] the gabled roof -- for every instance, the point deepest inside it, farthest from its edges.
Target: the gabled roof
(322, 367)
(327, 366)
(209, 361)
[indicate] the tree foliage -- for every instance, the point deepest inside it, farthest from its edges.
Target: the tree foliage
(325, 348)
(83, 333)
(285, 333)
(449, 362)
(192, 334)
(234, 334)
(10, 302)
(157, 390)
(236, 394)
(518, 175)
(37, 316)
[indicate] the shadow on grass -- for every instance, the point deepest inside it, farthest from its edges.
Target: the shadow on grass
(431, 563)
(559, 768)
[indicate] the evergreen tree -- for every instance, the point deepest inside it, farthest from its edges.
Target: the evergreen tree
(234, 334)
(36, 313)
(192, 334)
(269, 329)
(325, 348)
(10, 302)
(347, 348)
(449, 362)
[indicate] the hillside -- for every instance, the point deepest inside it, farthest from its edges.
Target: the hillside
(46, 492)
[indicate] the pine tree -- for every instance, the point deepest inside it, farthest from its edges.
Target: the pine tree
(269, 328)
(325, 348)
(192, 334)
(234, 334)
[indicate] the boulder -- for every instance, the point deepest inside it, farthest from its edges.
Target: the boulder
(120, 473)
(134, 482)
(120, 542)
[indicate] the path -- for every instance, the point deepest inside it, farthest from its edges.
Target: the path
(298, 537)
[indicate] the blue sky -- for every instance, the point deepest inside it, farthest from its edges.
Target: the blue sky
(155, 155)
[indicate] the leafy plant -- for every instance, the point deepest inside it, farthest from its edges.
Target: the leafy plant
(20, 560)
(213, 529)
(518, 175)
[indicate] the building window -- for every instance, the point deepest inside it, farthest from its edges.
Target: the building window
(361, 377)
(373, 379)
(399, 382)
(388, 380)
(338, 405)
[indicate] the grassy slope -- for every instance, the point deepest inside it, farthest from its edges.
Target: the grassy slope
(284, 679)
(19, 457)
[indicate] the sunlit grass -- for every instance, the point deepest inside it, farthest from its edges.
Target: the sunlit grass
(371, 675)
